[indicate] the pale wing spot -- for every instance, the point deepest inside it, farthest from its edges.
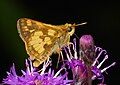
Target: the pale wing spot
(37, 48)
(29, 22)
(32, 42)
(47, 39)
(51, 32)
(41, 49)
(38, 33)
(36, 63)
(24, 27)
(40, 40)
(49, 42)
(36, 45)
(35, 37)
(32, 30)
(36, 41)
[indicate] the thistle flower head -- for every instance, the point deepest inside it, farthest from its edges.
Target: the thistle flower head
(33, 77)
(86, 42)
(87, 49)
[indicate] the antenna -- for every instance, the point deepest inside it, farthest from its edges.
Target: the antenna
(79, 24)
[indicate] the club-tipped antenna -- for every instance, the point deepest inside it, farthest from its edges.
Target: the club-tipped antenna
(80, 24)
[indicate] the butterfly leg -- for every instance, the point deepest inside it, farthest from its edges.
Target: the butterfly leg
(58, 51)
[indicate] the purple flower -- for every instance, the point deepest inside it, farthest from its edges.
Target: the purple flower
(97, 72)
(12, 77)
(33, 77)
(85, 66)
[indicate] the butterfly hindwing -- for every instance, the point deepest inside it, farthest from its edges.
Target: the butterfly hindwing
(40, 39)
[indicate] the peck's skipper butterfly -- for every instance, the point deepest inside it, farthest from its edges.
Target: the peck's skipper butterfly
(41, 39)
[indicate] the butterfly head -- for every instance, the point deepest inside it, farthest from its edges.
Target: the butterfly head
(71, 27)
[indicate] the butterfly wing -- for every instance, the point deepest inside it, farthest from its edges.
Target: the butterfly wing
(41, 39)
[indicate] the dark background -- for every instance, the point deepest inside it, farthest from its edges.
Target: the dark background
(103, 24)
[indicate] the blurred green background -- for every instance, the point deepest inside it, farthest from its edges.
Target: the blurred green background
(103, 24)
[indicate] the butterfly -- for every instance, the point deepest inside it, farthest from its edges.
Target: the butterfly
(41, 39)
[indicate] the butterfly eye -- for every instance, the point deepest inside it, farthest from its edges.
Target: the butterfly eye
(69, 29)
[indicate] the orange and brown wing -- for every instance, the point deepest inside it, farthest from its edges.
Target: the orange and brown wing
(40, 39)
